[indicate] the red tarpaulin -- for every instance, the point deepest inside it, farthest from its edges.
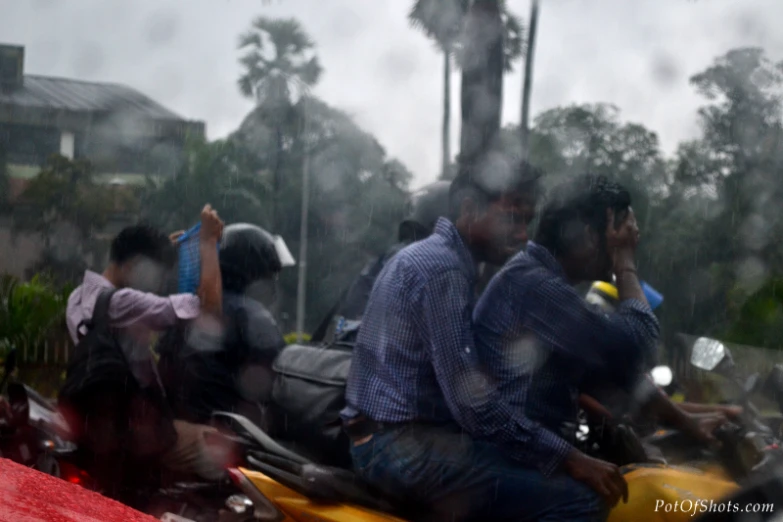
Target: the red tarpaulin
(27, 495)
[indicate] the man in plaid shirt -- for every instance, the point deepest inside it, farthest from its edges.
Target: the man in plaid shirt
(543, 344)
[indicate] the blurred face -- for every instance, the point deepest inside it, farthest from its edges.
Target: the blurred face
(590, 259)
(501, 230)
(144, 274)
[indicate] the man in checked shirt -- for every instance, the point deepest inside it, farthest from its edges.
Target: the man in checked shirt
(543, 343)
(419, 407)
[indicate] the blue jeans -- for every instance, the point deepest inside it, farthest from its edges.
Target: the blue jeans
(460, 479)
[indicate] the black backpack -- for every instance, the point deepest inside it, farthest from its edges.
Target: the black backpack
(109, 413)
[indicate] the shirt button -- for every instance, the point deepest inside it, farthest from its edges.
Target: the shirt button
(467, 349)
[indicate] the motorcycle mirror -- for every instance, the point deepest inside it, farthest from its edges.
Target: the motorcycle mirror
(752, 383)
(707, 354)
(662, 375)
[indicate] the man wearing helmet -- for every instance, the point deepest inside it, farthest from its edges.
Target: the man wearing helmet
(424, 208)
(237, 376)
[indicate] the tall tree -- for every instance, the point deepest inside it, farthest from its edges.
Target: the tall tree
(727, 183)
(444, 22)
(223, 173)
(280, 66)
(482, 61)
(357, 197)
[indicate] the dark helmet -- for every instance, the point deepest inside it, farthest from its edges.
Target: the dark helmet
(425, 206)
(249, 253)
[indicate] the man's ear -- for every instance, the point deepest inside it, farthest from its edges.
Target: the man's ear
(592, 239)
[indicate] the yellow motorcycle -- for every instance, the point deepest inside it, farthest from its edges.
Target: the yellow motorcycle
(278, 484)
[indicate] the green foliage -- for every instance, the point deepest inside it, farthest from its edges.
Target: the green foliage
(271, 76)
(443, 21)
(356, 202)
(64, 191)
(31, 313)
(760, 319)
(222, 173)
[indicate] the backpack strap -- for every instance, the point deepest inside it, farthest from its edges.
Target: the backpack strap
(100, 313)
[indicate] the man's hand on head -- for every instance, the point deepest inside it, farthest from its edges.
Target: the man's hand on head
(623, 236)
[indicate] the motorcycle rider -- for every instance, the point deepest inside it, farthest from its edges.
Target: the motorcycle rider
(424, 208)
(139, 259)
(237, 375)
(419, 408)
(541, 341)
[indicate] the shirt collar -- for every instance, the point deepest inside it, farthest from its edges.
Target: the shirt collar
(96, 280)
(545, 258)
(446, 230)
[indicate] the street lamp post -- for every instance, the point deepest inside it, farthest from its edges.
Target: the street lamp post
(302, 283)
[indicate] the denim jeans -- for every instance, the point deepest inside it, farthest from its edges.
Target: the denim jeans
(460, 479)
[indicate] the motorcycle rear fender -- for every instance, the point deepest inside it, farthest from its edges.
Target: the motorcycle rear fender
(300, 508)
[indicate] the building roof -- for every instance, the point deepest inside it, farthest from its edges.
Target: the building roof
(46, 92)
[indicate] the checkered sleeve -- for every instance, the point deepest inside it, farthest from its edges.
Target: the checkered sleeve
(475, 403)
(623, 341)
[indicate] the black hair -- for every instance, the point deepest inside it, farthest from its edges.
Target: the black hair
(142, 240)
(498, 180)
(412, 231)
(582, 200)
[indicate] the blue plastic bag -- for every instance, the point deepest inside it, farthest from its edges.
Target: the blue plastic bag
(654, 298)
(189, 261)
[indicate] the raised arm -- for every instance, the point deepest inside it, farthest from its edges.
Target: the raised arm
(210, 289)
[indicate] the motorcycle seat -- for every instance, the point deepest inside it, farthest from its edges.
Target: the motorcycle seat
(330, 484)
(244, 427)
(316, 481)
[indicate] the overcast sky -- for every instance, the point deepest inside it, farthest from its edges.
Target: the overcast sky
(636, 54)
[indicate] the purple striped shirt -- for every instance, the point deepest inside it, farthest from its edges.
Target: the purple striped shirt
(137, 314)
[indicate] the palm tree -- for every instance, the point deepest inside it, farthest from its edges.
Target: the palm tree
(527, 84)
(444, 22)
(280, 66)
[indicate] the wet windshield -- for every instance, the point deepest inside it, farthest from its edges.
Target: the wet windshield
(258, 181)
